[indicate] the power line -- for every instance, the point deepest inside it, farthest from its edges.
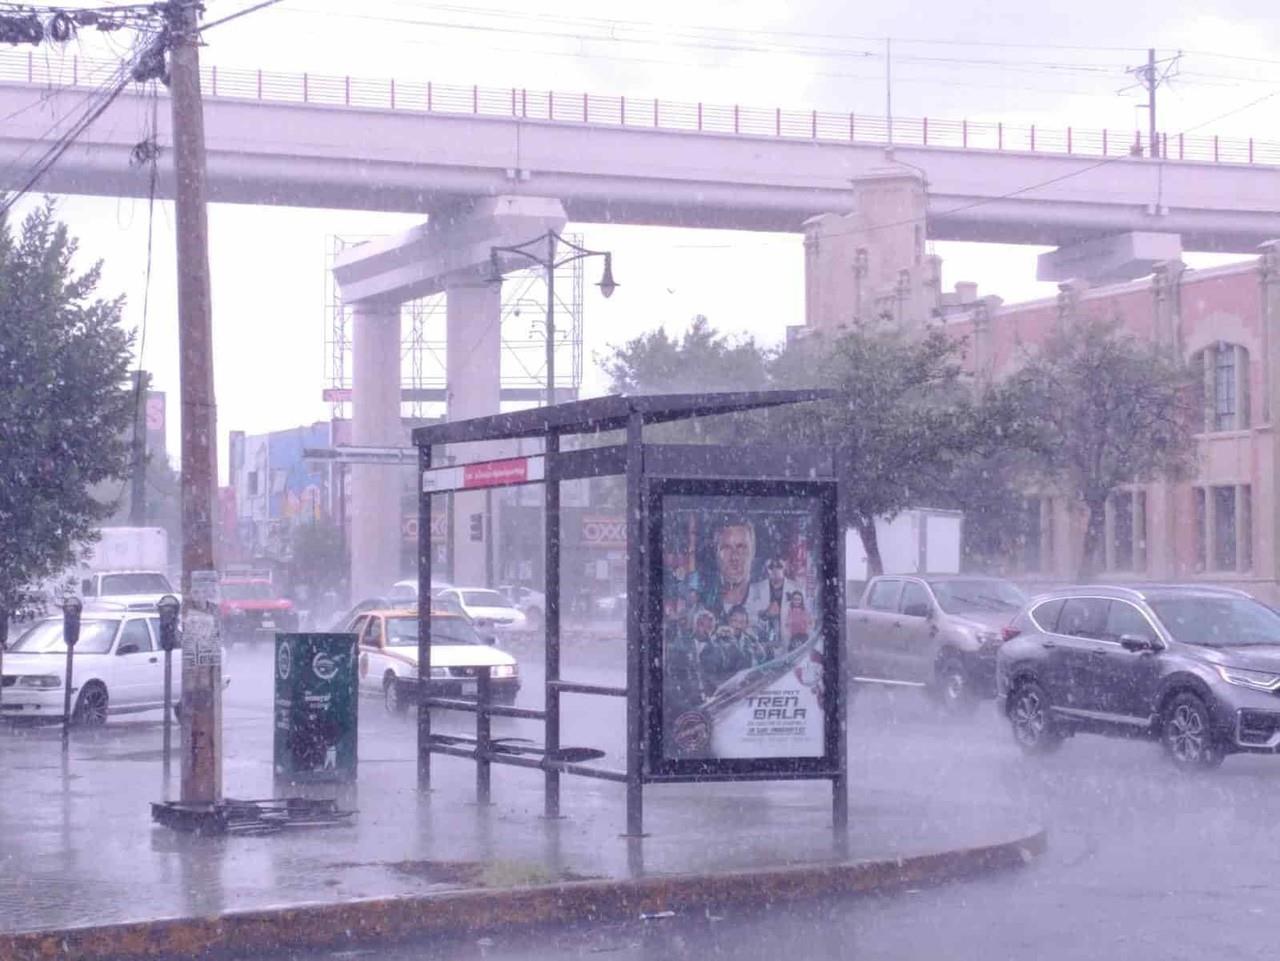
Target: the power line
(241, 13)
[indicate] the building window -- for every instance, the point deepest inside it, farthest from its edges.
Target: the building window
(1126, 525)
(1223, 369)
(1224, 523)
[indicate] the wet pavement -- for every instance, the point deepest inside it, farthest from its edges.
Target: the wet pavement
(77, 846)
(1143, 863)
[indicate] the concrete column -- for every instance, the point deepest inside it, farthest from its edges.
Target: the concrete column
(473, 356)
(375, 493)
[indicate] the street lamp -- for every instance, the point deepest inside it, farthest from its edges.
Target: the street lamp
(71, 609)
(543, 252)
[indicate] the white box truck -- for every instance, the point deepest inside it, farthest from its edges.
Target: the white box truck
(127, 564)
(919, 540)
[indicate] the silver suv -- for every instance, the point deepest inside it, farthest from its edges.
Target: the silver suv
(938, 632)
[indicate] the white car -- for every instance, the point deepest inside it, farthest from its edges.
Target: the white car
(388, 641)
(406, 591)
(118, 668)
(531, 603)
(487, 609)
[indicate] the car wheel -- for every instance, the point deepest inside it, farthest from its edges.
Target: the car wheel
(953, 689)
(505, 699)
(91, 706)
(1029, 718)
(393, 695)
(1186, 731)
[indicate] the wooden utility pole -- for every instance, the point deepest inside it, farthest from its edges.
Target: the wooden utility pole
(201, 646)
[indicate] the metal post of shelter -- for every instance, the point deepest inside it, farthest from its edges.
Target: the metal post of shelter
(551, 620)
(636, 567)
(424, 620)
(840, 781)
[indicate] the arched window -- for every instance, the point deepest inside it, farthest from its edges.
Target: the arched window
(1223, 369)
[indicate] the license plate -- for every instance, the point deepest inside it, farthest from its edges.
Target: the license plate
(469, 687)
(267, 622)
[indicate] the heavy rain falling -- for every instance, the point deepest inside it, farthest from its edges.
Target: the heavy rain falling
(693, 481)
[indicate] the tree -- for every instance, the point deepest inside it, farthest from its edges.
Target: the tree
(65, 404)
(905, 414)
(702, 360)
(1108, 410)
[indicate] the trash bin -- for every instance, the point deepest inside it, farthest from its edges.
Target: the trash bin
(315, 707)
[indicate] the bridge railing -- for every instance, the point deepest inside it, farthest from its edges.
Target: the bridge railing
(613, 111)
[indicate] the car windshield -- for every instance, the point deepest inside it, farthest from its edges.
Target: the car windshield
(992, 596)
(1218, 621)
(484, 599)
(403, 631)
(256, 591)
(135, 583)
(46, 637)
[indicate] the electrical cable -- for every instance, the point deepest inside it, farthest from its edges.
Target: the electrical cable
(236, 16)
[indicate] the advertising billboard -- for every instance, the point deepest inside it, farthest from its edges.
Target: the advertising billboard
(741, 674)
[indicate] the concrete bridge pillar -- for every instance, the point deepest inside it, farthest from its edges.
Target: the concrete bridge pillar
(473, 361)
(449, 253)
(375, 422)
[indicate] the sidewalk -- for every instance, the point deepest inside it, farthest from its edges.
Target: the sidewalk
(77, 846)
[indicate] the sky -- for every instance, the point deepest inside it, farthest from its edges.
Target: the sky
(1053, 65)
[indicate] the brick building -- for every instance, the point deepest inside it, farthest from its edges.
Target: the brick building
(1223, 525)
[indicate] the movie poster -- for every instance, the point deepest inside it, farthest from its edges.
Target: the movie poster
(742, 664)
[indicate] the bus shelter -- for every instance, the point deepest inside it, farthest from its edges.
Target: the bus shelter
(735, 600)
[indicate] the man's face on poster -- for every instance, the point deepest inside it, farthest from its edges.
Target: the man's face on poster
(738, 620)
(735, 552)
(703, 625)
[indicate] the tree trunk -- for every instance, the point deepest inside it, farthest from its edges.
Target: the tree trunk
(1094, 559)
(867, 531)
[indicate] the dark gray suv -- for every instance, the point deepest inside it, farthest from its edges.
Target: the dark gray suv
(1197, 668)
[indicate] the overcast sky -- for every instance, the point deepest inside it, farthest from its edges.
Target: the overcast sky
(1051, 64)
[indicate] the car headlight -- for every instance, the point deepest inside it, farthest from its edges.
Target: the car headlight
(988, 638)
(1257, 680)
(39, 680)
(504, 670)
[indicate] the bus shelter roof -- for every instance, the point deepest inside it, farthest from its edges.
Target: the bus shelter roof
(607, 413)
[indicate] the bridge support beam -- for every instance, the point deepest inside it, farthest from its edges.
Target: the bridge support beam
(375, 422)
(1113, 259)
(472, 362)
(449, 253)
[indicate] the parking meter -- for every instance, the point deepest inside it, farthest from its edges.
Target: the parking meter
(167, 607)
(71, 610)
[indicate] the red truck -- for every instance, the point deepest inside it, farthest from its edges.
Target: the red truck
(252, 607)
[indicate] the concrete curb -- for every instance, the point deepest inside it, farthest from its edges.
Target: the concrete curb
(398, 919)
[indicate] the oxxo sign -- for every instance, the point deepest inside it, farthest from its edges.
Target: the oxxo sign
(604, 532)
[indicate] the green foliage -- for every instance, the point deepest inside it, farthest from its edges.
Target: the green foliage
(1105, 410)
(65, 403)
(905, 414)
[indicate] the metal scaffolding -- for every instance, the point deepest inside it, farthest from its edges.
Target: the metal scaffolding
(423, 343)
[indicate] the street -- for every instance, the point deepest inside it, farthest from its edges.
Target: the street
(1142, 863)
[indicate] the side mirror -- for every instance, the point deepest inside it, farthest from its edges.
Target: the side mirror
(1136, 644)
(918, 610)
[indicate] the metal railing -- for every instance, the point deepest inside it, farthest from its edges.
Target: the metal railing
(617, 111)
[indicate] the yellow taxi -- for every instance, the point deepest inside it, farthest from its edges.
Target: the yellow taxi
(388, 645)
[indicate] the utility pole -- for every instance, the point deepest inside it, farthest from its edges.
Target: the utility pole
(201, 646)
(1150, 76)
